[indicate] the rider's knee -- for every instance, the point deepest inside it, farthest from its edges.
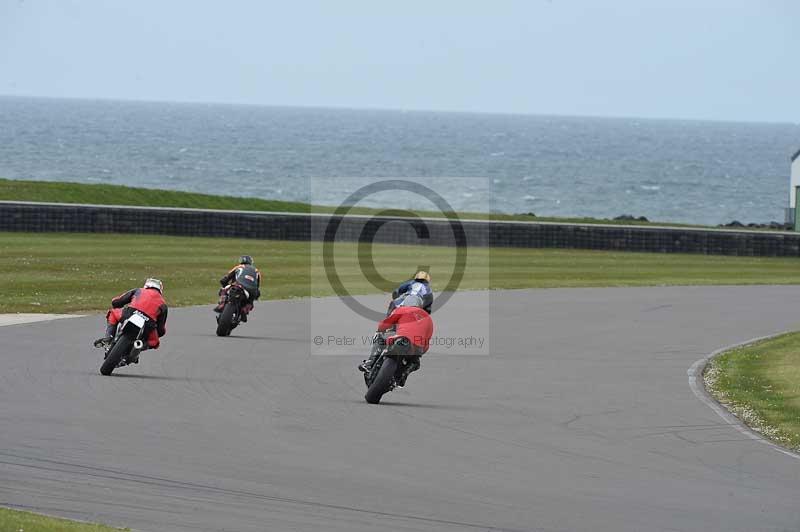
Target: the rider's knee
(400, 346)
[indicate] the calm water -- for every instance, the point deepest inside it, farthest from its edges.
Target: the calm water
(683, 171)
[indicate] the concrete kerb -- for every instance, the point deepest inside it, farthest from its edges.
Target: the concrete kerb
(697, 385)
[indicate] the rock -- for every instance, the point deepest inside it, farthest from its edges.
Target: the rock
(630, 218)
(779, 226)
(770, 225)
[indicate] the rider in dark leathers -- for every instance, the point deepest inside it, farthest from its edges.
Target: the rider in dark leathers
(247, 275)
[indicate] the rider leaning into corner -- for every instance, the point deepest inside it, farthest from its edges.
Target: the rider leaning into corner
(419, 285)
(411, 339)
(149, 301)
(247, 275)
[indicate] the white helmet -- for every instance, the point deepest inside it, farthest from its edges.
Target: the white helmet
(154, 283)
(412, 300)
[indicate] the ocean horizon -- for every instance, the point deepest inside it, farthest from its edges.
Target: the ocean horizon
(670, 170)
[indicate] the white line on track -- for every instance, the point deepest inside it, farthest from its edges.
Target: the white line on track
(19, 319)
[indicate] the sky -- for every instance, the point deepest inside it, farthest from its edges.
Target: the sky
(702, 59)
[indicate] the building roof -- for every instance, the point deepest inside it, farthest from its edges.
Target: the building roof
(796, 155)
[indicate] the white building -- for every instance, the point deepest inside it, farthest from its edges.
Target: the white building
(795, 182)
(795, 178)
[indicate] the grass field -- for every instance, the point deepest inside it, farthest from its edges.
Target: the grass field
(760, 383)
(17, 521)
(65, 272)
(58, 192)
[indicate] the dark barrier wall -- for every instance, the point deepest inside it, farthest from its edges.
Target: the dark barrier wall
(17, 216)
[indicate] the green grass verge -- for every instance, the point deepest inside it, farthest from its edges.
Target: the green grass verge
(60, 192)
(57, 192)
(760, 383)
(18, 521)
(67, 272)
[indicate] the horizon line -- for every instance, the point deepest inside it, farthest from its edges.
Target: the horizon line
(397, 109)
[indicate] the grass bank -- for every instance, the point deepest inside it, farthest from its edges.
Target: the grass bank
(760, 383)
(18, 521)
(58, 192)
(64, 272)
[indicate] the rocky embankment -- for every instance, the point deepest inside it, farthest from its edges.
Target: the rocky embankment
(771, 225)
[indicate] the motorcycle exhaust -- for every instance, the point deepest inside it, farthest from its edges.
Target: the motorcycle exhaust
(138, 345)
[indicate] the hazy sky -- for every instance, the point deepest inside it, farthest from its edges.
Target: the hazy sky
(719, 59)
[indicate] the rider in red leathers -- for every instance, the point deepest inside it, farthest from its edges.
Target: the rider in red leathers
(147, 300)
(414, 329)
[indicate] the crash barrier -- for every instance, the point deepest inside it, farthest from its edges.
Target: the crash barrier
(56, 217)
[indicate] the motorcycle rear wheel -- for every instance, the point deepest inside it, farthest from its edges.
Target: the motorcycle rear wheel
(120, 349)
(225, 323)
(382, 382)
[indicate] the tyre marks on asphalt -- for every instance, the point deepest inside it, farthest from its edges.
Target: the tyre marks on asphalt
(195, 492)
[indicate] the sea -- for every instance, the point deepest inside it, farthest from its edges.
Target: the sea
(698, 172)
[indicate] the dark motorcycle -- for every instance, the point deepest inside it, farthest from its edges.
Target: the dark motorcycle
(235, 297)
(387, 370)
(127, 343)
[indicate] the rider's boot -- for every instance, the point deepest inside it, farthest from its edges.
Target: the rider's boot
(366, 365)
(245, 311)
(378, 344)
(411, 368)
(106, 340)
(102, 342)
(221, 304)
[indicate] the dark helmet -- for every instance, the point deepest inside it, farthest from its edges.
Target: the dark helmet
(246, 259)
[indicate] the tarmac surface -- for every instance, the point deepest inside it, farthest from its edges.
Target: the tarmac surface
(576, 415)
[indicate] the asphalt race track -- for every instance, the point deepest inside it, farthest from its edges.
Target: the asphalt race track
(580, 419)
